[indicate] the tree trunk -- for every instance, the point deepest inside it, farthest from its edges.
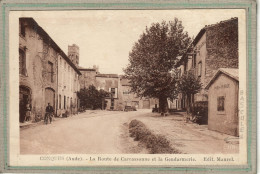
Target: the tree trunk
(163, 105)
(188, 106)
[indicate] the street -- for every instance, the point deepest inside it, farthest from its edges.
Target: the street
(106, 132)
(90, 132)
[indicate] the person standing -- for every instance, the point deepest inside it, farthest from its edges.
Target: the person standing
(49, 112)
(28, 108)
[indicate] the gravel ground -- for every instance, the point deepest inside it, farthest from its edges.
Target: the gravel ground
(189, 138)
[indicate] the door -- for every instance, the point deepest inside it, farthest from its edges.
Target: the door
(50, 97)
(24, 98)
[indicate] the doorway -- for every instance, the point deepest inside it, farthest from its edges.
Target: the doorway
(24, 98)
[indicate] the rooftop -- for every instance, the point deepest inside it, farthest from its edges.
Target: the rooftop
(107, 75)
(87, 69)
(231, 72)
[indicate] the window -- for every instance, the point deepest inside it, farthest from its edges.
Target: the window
(59, 101)
(221, 103)
(22, 62)
(113, 92)
(194, 60)
(50, 72)
(64, 107)
(199, 69)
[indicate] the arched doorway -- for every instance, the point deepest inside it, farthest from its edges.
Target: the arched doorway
(24, 98)
(50, 97)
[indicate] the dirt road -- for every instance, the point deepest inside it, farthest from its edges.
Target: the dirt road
(106, 132)
(93, 132)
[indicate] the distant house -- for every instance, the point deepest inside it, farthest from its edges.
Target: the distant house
(109, 83)
(223, 101)
(128, 98)
(215, 46)
(119, 88)
(88, 77)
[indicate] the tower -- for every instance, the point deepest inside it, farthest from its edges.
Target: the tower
(73, 54)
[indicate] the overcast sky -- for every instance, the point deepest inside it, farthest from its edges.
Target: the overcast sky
(105, 37)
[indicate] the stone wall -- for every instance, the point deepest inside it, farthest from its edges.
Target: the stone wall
(38, 53)
(222, 47)
(87, 78)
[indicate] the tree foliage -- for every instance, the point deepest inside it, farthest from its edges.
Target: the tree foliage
(92, 98)
(153, 57)
(189, 85)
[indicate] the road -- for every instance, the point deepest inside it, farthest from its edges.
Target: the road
(106, 132)
(92, 132)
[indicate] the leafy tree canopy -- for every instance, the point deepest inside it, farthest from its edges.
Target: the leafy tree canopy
(153, 57)
(189, 84)
(92, 98)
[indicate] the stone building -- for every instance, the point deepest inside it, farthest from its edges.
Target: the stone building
(109, 83)
(73, 54)
(39, 68)
(128, 98)
(223, 101)
(215, 46)
(68, 82)
(88, 76)
(118, 86)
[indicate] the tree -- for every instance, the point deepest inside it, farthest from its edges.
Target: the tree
(92, 98)
(189, 85)
(152, 61)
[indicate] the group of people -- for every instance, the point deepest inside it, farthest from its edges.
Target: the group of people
(49, 111)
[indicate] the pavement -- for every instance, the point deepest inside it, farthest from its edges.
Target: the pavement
(106, 132)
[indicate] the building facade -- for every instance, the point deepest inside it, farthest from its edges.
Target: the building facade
(223, 101)
(109, 83)
(119, 87)
(128, 98)
(39, 71)
(68, 84)
(215, 46)
(88, 77)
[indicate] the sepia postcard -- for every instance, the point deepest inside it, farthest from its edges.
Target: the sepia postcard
(128, 87)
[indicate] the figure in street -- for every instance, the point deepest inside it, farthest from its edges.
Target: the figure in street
(49, 113)
(28, 111)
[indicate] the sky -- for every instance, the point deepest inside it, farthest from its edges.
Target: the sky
(105, 37)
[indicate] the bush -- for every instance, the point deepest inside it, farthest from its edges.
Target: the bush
(135, 123)
(156, 143)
